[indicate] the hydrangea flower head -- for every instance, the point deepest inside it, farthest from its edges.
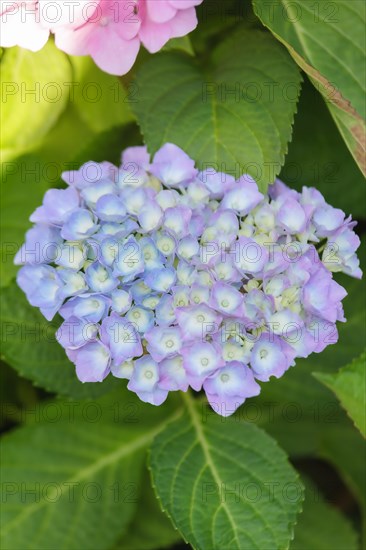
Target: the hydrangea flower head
(174, 278)
(110, 31)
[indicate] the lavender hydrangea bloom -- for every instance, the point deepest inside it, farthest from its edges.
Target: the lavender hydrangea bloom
(200, 360)
(42, 246)
(145, 381)
(91, 307)
(243, 196)
(58, 204)
(92, 361)
(122, 338)
(173, 376)
(172, 166)
(75, 332)
(79, 225)
(228, 388)
(42, 285)
(171, 278)
(271, 356)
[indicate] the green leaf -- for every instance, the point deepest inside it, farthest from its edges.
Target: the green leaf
(75, 482)
(214, 114)
(325, 39)
(349, 385)
(318, 156)
(225, 484)
(29, 345)
(100, 98)
(322, 526)
(34, 94)
(150, 529)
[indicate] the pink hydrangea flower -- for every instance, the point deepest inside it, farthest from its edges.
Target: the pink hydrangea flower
(21, 26)
(110, 31)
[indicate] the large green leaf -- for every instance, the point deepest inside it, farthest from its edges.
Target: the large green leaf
(325, 39)
(349, 385)
(318, 157)
(225, 484)
(234, 112)
(35, 93)
(29, 345)
(322, 526)
(75, 482)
